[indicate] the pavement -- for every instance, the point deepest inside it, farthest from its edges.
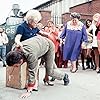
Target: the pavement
(84, 85)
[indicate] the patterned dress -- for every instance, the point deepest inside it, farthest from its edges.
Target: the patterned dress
(73, 40)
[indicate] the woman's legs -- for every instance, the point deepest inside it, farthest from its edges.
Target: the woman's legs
(74, 68)
(96, 53)
(83, 56)
(98, 41)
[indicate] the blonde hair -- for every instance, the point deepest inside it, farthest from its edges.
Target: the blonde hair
(34, 15)
(96, 16)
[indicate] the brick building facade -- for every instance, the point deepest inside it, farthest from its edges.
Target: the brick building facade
(46, 15)
(87, 10)
(90, 7)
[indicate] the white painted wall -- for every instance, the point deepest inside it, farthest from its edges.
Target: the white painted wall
(61, 7)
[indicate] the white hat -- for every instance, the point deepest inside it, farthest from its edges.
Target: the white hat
(34, 15)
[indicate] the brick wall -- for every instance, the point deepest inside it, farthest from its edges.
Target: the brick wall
(46, 15)
(95, 6)
(65, 17)
(89, 7)
(82, 8)
(86, 10)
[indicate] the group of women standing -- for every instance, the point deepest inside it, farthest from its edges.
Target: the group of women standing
(78, 37)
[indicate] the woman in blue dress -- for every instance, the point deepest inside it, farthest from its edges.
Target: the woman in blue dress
(75, 35)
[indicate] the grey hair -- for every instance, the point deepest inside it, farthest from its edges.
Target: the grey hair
(75, 15)
(34, 15)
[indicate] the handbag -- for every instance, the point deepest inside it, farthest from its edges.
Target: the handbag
(90, 39)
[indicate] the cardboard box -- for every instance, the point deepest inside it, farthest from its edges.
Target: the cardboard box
(16, 77)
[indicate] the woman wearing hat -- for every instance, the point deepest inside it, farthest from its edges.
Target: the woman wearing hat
(74, 34)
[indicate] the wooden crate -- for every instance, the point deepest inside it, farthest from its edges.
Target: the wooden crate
(16, 77)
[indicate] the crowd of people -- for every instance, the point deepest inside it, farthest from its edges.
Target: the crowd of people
(56, 46)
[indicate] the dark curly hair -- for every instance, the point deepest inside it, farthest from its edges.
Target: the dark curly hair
(13, 57)
(88, 20)
(75, 15)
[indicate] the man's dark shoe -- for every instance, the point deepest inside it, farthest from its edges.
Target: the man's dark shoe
(66, 80)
